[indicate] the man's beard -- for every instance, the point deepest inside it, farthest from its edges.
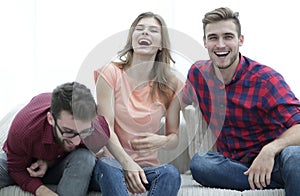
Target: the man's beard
(59, 141)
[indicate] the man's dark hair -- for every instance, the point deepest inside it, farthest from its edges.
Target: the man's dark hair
(221, 14)
(74, 98)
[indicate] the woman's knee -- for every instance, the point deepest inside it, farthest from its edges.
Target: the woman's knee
(108, 168)
(171, 170)
(107, 164)
(171, 174)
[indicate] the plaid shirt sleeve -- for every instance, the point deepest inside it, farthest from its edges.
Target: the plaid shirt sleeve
(280, 102)
(192, 85)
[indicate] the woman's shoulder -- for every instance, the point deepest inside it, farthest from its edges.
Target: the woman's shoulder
(177, 79)
(110, 69)
(111, 73)
(112, 66)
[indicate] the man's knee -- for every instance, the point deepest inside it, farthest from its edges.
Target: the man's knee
(290, 157)
(200, 162)
(83, 158)
(202, 166)
(5, 179)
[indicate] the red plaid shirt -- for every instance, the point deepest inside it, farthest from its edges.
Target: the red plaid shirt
(31, 138)
(255, 108)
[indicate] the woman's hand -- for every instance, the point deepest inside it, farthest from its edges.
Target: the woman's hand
(134, 178)
(147, 143)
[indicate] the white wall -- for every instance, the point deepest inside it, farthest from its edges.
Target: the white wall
(45, 43)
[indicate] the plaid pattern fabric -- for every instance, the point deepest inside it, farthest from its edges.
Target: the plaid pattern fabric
(255, 108)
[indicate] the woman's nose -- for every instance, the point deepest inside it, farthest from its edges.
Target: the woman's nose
(145, 31)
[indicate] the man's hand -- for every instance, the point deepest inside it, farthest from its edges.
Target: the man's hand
(45, 191)
(38, 169)
(259, 173)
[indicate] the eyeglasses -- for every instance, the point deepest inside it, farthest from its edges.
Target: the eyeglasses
(71, 134)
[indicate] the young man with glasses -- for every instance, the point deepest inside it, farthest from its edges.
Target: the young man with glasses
(45, 143)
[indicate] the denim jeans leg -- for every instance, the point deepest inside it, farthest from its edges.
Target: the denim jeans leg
(164, 180)
(215, 170)
(5, 179)
(290, 169)
(108, 174)
(73, 173)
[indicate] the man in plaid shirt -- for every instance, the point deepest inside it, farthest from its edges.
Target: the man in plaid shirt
(252, 110)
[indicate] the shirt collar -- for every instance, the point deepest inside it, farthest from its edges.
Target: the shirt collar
(240, 69)
(48, 137)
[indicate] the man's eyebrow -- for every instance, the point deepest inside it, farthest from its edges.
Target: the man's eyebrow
(212, 34)
(228, 33)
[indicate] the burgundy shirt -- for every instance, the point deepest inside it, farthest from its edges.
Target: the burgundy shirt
(30, 138)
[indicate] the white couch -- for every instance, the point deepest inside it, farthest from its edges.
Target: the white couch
(191, 141)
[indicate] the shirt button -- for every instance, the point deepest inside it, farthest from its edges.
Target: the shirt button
(221, 86)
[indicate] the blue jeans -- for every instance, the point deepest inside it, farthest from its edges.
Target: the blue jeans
(163, 180)
(71, 175)
(215, 170)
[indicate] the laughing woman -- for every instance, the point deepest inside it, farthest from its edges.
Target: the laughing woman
(134, 94)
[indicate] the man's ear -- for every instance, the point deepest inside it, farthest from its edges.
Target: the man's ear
(241, 40)
(50, 118)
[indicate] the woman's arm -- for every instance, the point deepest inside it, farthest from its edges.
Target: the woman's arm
(133, 173)
(172, 124)
(150, 142)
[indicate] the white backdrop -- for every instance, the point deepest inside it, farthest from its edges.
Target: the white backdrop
(43, 43)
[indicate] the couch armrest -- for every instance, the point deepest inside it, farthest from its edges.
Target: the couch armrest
(200, 138)
(5, 124)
